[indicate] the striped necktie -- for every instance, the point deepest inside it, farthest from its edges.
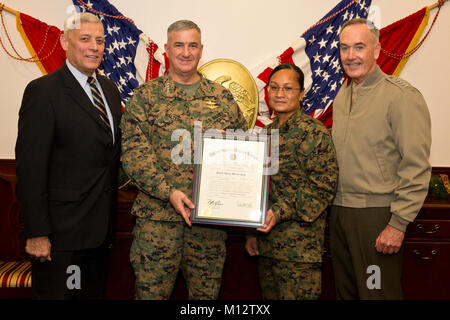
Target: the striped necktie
(98, 102)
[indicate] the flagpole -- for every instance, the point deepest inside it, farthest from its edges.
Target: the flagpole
(3, 7)
(435, 5)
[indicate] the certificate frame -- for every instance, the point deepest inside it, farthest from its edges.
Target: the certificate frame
(230, 180)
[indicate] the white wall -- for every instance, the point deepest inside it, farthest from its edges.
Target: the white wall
(247, 31)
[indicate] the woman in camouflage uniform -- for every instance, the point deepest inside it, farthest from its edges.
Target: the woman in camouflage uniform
(290, 244)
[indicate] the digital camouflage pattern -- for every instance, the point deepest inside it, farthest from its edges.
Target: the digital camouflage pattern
(156, 259)
(289, 280)
(152, 155)
(155, 111)
(301, 190)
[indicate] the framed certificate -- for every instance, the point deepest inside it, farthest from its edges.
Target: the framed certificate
(230, 185)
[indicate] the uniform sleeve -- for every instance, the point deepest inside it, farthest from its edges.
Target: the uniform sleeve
(308, 200)
(33, 151)
(411, 130)
(240, 121)
(139, 159)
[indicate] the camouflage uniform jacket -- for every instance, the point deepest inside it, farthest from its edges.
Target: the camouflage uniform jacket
(301, 190)
(156, 109)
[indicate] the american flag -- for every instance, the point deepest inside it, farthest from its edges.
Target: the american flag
(124, 44)
(316, 52)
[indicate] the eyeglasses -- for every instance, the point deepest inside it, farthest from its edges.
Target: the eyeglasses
(286, 90)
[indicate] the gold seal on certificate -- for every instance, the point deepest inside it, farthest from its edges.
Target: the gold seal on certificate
(236, 78)
(206, 211)
(230, 185)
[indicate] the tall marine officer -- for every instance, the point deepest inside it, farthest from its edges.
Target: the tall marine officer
(382, 134)
(157, 120)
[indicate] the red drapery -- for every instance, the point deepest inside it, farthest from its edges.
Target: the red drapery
(42, 40)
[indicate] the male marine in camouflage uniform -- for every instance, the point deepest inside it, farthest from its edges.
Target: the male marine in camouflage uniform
(157, 125)
(291, 252)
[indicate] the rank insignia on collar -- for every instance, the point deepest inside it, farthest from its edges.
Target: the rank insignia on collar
(210, 103)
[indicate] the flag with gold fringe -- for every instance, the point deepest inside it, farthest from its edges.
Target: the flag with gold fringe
(398, 41)
(316, 52)
(130, 57)
(399, 38)
(42, 41)
(123, 42)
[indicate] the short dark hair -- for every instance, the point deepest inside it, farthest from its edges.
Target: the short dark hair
(300, 75)
(183, 25)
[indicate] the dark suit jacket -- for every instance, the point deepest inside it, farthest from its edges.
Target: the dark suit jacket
(66, 162)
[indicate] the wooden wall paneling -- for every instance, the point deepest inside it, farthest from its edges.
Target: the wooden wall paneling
(12, 243)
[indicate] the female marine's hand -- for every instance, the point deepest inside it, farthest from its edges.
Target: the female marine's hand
(269, 223)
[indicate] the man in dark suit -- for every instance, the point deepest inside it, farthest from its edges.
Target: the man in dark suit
(67, 156)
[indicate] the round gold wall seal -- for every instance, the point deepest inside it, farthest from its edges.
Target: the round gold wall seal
(236, 78)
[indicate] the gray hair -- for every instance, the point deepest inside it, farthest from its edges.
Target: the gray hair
(368, 23)
(183, 25)
(73, 21)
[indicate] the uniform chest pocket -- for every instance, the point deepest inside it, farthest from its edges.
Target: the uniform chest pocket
(168, 120)
(218, 120)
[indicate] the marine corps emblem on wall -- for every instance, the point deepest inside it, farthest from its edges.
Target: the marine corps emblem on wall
(236, 78)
